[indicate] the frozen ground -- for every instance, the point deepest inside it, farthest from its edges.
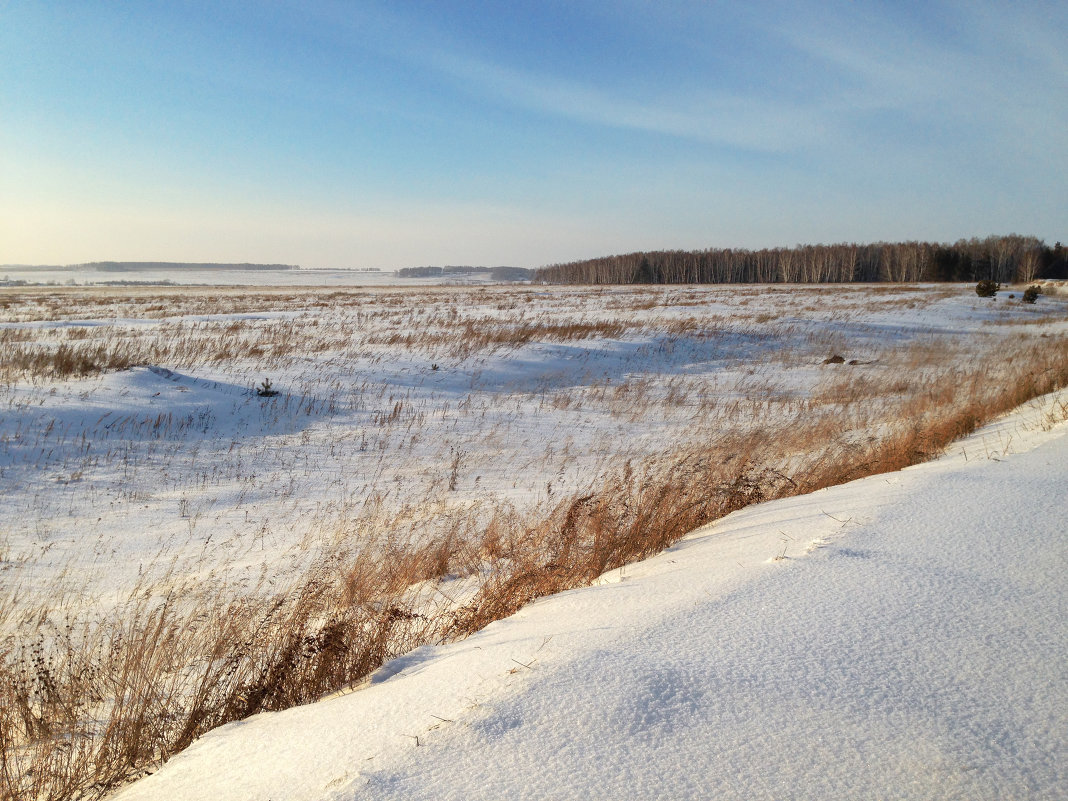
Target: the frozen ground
(423, 405)
(901, 636)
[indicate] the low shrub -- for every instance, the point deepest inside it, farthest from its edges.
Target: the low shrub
(1030, 294)
(987, 289)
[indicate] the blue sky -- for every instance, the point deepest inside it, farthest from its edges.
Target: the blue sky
(365, 134)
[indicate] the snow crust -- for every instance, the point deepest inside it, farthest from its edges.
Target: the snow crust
(902, 636)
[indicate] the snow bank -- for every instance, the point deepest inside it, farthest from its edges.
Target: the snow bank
(910, 644)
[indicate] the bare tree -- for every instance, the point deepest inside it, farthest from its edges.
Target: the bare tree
(1027, 269)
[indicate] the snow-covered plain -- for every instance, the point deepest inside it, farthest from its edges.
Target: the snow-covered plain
(424, 402)
(901, 636)
(421, 405)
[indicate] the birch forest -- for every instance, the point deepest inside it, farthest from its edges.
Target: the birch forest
(999, 258)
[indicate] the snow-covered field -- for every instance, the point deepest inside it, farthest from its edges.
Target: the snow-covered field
(902, 636)
(425, 403)
(144, 462)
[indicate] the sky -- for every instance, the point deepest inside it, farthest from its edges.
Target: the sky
(394, 134)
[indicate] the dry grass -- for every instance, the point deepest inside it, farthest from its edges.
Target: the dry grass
(67, 360)
(86, 702)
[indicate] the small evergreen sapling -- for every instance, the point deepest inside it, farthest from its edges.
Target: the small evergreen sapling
(265, 390)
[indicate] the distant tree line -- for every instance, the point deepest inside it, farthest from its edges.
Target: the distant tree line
(998, 258)
(496, 273)
(435, 272)
(131, 266)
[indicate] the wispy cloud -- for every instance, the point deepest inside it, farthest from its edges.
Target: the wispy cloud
(984, 60)
(713, 117)
(704, 114)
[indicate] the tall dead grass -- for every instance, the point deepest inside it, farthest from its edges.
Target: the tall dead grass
(68, 359)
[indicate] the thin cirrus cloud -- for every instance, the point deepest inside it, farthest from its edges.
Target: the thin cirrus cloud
(687, 101)
(941, 74)
(969, 60)
(715, 118)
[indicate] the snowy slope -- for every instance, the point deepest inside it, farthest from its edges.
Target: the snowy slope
(911, 644)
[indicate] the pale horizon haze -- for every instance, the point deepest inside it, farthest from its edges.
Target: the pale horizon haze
(386, 135)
